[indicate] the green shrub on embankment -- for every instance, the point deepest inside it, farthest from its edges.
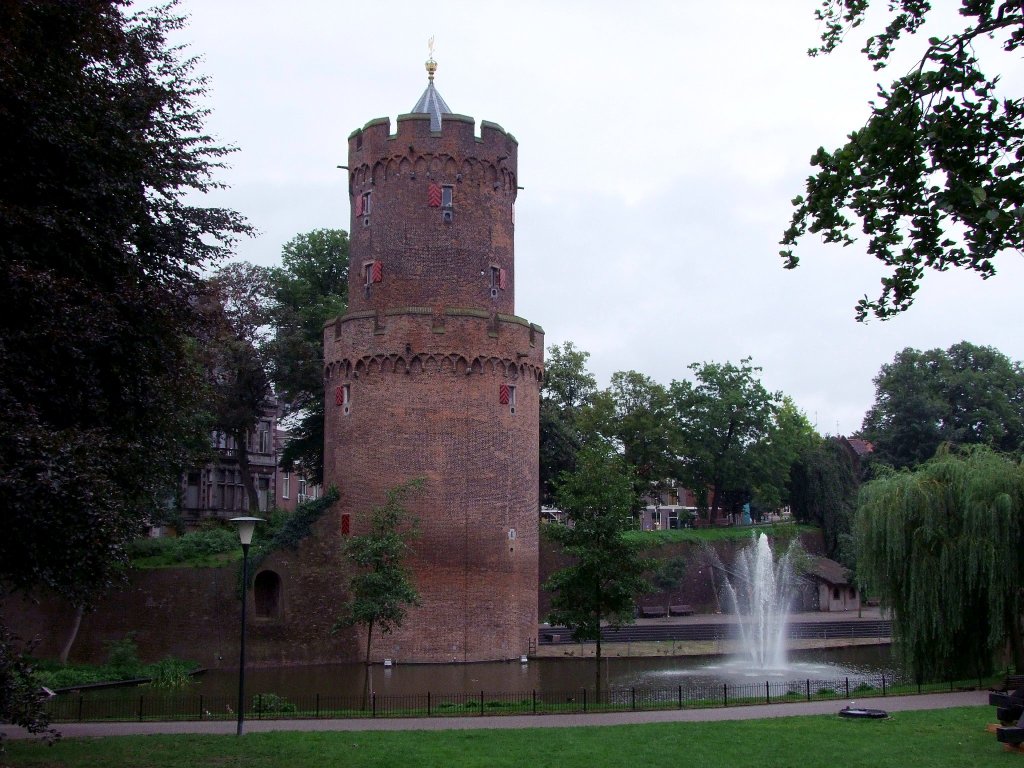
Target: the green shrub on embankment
(207, 548)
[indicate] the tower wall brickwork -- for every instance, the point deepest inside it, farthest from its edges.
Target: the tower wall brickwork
(431, 375)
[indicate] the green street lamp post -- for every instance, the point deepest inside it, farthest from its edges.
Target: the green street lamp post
(246, 526)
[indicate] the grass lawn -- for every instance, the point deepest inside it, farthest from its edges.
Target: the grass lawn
(951, 737)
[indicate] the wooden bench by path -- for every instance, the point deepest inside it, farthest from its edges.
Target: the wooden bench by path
(652, 611)
(680, 610)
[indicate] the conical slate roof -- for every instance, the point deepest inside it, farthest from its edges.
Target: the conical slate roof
(430, 102)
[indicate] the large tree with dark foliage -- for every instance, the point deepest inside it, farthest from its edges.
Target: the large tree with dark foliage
(934, 177)
(310, 288)
(963, 395)
(102, 244)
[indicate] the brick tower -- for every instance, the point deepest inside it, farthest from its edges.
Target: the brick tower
(431, 374)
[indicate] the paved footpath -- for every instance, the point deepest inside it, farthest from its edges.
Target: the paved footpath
(889, 703)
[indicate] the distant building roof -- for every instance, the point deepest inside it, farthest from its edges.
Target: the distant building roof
(861, 447)
(430, 102)
(834, 573)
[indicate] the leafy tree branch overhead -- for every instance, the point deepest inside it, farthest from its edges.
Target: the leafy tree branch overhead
(933, 178)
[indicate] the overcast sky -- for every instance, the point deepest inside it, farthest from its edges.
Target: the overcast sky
(659, 146)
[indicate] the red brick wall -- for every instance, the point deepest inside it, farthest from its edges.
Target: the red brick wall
(194, 613)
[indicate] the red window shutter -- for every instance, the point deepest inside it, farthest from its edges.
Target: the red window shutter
(377, 274)
(339, 395)
(503, 394)
(346, 524)
(359, 205)
(502, 279)
(434, 195)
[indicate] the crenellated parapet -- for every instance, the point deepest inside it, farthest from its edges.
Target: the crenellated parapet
(417, 340)
(412, 363)
(376, 154)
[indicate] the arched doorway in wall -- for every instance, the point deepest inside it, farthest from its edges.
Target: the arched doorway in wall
(266, 591)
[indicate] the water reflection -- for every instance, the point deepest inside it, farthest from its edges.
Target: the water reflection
(541, 674)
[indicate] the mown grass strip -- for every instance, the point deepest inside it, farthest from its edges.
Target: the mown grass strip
(931, 739)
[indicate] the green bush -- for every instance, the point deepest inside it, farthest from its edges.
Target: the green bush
(271, 702)
(69, 677)
(199, 543)
(194, 546)
(148, 547)
(123, 659)
(170, 674)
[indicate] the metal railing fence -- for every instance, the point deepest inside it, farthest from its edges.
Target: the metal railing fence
(141, 704)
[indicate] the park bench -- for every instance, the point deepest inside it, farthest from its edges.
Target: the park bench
(652, 611)
(680, 610)
(1009, 705)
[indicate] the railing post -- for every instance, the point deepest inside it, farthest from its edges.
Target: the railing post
(725, 694)
(584, 699)
(259, 706)
(680, 697)
(883, 683)
(535, 701)
(808, 689)
(481, 703)
(140, 709)
(373, 704)
(428, 703)
(318, 706)
(767, 693)
(847, 687)
(80, 707)
(200, 706)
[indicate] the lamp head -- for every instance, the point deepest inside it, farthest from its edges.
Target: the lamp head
(246, 526)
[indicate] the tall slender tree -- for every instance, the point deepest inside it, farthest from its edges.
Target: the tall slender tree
(607, 571)
(310, 288)
(239, 300)
(825, 479)
(382, 588)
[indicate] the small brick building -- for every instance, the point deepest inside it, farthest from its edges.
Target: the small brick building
(431, 375)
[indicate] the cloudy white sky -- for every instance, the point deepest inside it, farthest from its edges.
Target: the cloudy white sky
(659, 146)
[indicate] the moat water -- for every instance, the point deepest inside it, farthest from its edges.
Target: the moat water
(545, 674)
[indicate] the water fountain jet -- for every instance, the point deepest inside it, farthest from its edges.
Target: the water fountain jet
(759, 590)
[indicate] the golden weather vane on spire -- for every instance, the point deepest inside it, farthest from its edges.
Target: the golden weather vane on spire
(431, 64)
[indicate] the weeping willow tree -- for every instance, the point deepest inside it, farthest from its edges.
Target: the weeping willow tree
(943, 547)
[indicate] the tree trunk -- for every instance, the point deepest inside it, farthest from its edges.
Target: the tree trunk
(1016, 644)
(66, 650)
(597, 660)
(366, 665)
(716, 499)
(242, 454)
(369, 639)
